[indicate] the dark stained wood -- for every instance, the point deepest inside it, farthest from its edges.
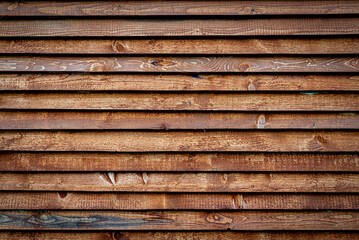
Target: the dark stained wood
(303, 101)
(179, 7)
(169, 220)
(185, 141)
(183, 46)
(228, 162)
(166, 201)
(181, 182)
(160, 82)
(170, 235)
(175, 120)
(178, 27)
(179, 64)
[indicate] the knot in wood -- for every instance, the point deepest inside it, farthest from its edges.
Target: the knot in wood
(244, 67)
(117, 47)
(218, 218)
(163, 63)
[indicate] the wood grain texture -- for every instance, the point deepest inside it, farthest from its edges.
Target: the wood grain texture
(183, 46)
(195, 82)
(181, 182)
(147, 162)
(18, 120)
(179, 27)
(303, 101)
(169, 220)
(171, 235)
(179, 8)
(186, 141)
(179, 64)
(166, 201)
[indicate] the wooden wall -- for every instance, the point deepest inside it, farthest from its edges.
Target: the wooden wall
(179, 119)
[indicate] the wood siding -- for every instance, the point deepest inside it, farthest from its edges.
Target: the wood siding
(161, 119)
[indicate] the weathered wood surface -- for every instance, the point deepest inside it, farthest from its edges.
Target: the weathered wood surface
(179, 8)
(175, 120)
(179, 27)
(170, 235)
(166, 201)
(303, 101)
(229, 162)
(160, 82)
(183, 46)
(186, 141)
(169, 220)
(179, 64)
(181, 182)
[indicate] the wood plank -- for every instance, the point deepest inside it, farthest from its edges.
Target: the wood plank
(181, 182)
(303, 101)
(178, 7)
(179, 27)
(10, 120)
(166, 201)
(170, 220)
(183, 46)
(215, 235)
(229, 162)
(160, 82)
(185, 141)
(179, 64)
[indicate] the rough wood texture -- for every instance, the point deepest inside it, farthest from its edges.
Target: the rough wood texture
(183, 46)
(160, 82)
(139, 116)
(228, 162)
(303, 101)
(179, 64)
(166, 201)
(179, 27)
(188, 235)
(179, 7)
(244, 220)
(190, 141)
(181, 182)
(175, 120)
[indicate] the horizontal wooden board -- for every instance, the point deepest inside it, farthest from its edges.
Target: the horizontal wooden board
(183, 46)
(175, 120)
(186, 141)
(229, 162)
(165, 201)
(158, 235)
(303, 101)
(178, 7)
(160, 82)
(244, 220)
(178, 27)
(181, 182)
(179, 64)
